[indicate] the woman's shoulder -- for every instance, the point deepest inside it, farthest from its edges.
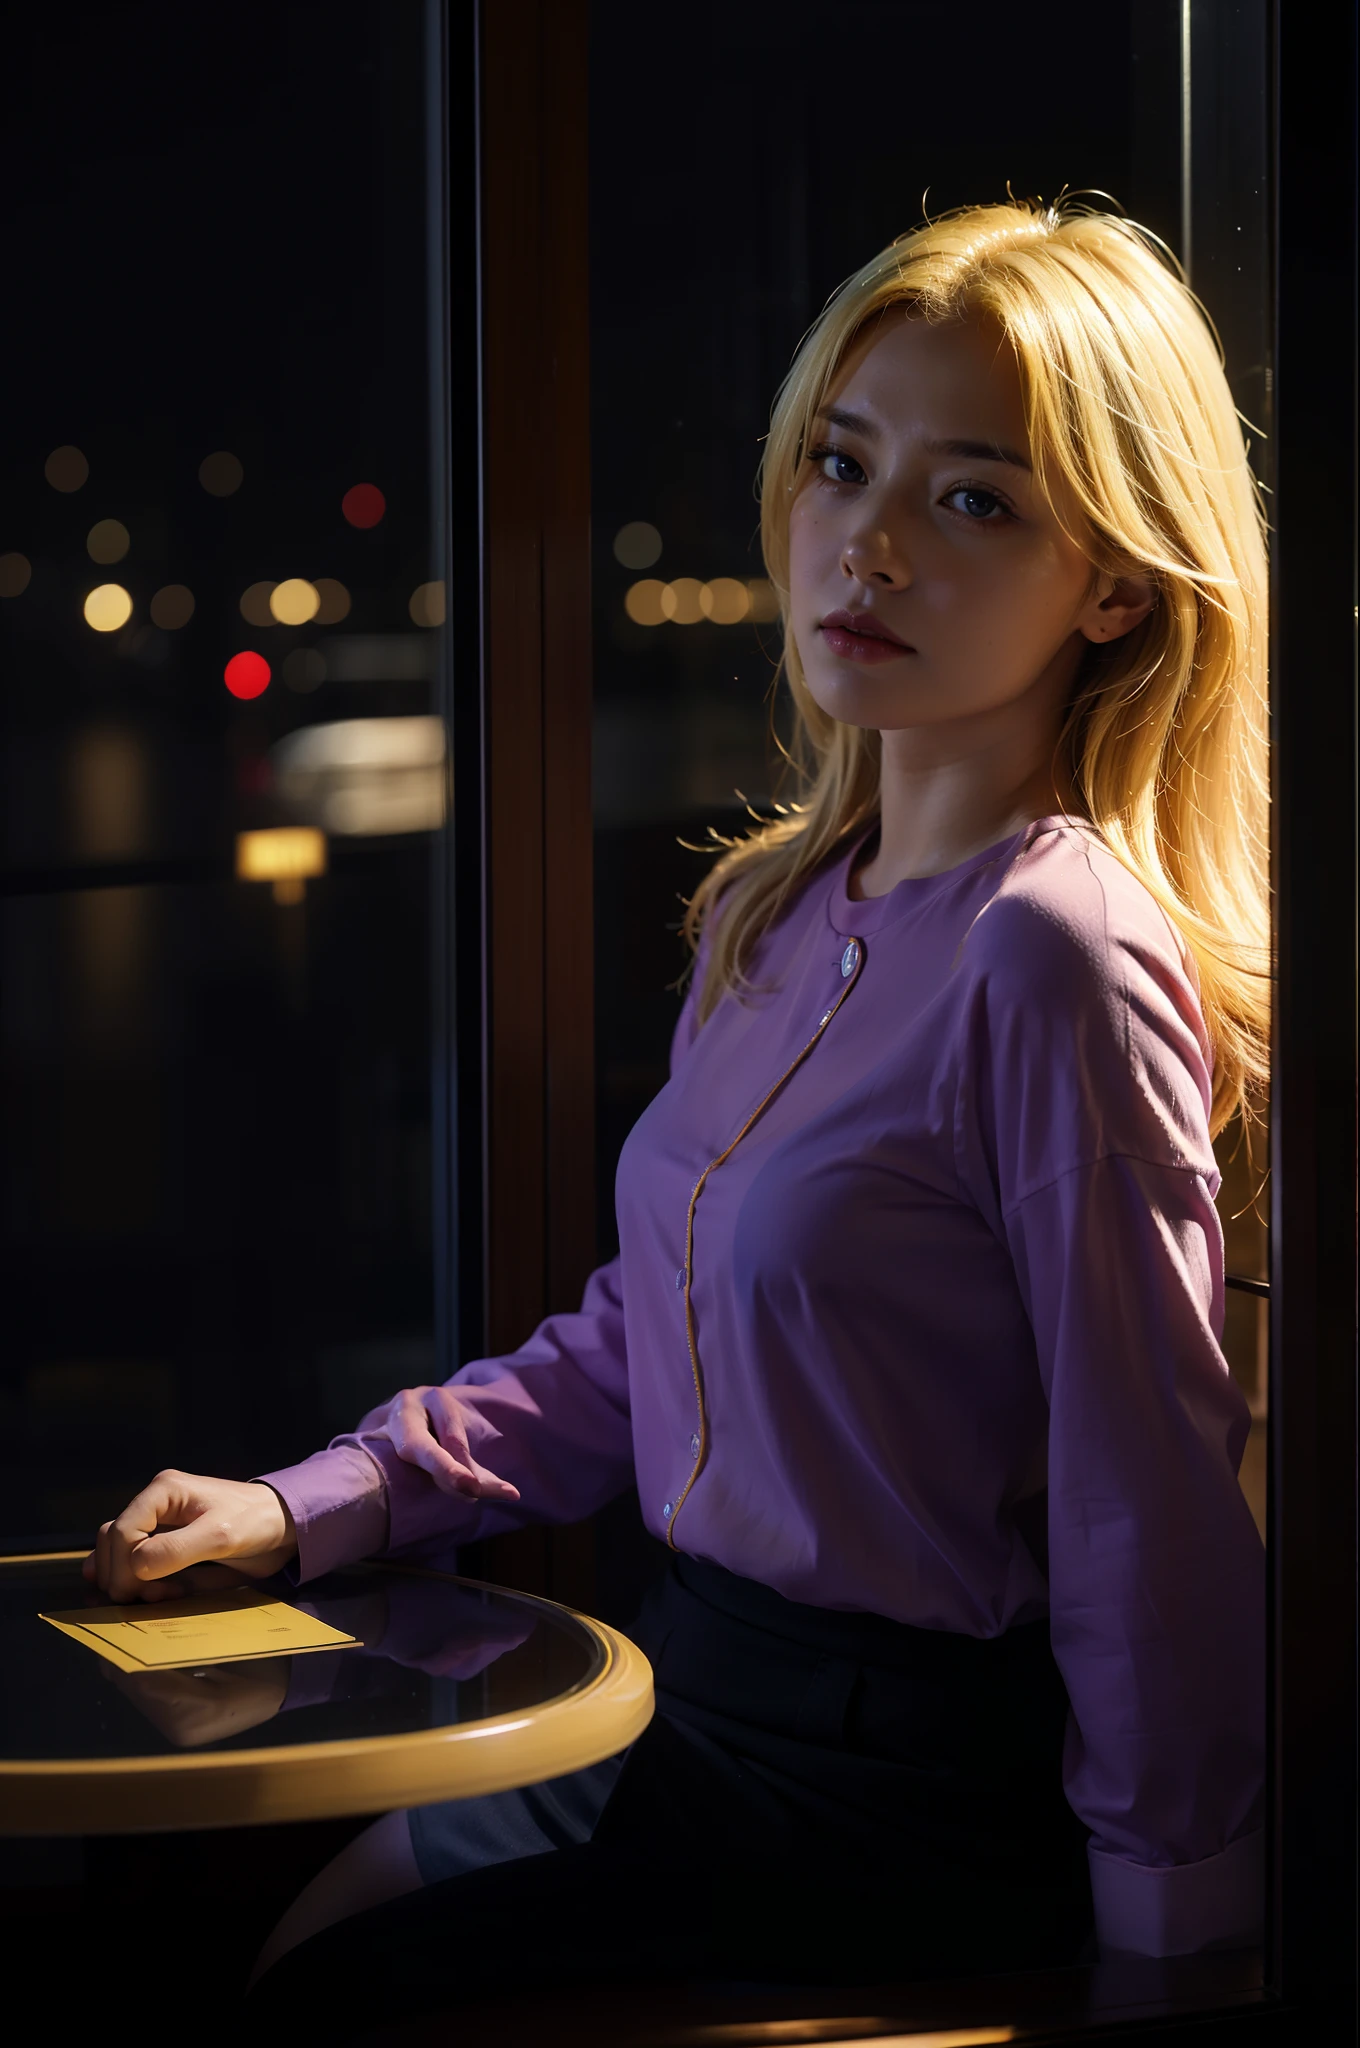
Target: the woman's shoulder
(1087, 1002)
(1068, 916)
(1073, 948)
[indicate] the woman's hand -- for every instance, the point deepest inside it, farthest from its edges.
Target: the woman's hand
(182, 1519)
(426, 1428)
(193, 1707)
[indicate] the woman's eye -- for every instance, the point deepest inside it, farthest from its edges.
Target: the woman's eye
(980, 506)
(837, 467)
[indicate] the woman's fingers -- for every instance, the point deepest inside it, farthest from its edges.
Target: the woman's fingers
(427, 1429)
(409, 1428)
(181, 1520)
(446, 1420)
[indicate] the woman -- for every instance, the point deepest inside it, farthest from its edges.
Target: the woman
(912, 1341)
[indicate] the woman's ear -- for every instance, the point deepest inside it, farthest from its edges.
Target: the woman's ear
(1116, 606)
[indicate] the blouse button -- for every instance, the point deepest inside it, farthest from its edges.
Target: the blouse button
(680, 1278)
(694, 1447)
(667, 1510)
(850, 959)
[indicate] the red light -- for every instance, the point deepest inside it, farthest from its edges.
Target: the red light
(363, 505)
(246, 675)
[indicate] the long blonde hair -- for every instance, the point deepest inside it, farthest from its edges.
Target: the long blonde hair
(1165, 739)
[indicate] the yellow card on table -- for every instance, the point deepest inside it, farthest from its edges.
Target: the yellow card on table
(215, 1628)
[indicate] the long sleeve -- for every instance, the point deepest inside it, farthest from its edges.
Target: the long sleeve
(552, 1418)
(1156, 1571)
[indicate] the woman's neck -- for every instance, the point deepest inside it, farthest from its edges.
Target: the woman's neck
(933, 817)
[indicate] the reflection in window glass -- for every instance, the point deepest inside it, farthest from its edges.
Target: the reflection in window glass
(222, 620)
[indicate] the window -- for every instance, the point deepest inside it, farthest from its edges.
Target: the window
(221, 482)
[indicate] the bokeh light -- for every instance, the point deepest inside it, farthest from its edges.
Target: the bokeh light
(66, 469)
(363, 505)
(637, 545)
(642, 602)
(16, 573)
(725, 601)
(108, 607)
(172, 607)
(221, 473)
(286, 855)
(247, 675)
(335, 601)
(764, 599)
(365, 776)
(108, 540)
(295, 601)
(428, 604)
(255, 604)
(680, 601)
(305, 670)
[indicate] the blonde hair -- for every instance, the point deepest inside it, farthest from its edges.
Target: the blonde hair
(1165, 738)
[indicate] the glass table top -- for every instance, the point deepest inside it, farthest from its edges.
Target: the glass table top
(434, 1652)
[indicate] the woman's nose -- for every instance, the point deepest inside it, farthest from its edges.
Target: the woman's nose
(873, 555)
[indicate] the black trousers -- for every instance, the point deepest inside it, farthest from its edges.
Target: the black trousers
(821, 1798)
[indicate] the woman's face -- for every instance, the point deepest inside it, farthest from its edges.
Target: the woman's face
(930, 580)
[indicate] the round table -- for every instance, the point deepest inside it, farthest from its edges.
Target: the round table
(456, 1689)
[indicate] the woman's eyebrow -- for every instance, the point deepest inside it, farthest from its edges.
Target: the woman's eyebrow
(967, 451)
(979, 451)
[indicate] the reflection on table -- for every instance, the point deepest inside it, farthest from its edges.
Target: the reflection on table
(452, 1689)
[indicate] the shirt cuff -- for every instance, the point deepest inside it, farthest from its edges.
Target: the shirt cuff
(338, 1501)
(1184, 1908)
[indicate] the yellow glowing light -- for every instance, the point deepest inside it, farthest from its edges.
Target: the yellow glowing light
(334, 601)
(680, 601)
(66, 469)
(643, 602)
(286, 855)
(221, 474)
(427, 604)
(637, 545)
(108, 540)
(172, 607)
(725, 601)
(108, 607)
(948, 2037)
(295, 602)
(255, 604)
(16, 572)
(764, 599)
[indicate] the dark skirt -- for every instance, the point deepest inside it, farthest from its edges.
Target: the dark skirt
(822, 1797)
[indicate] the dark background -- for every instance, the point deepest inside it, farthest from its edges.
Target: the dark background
(216, 1195)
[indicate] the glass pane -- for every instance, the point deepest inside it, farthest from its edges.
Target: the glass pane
(222, 743)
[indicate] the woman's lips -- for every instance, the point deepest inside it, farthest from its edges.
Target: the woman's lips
(857, 638)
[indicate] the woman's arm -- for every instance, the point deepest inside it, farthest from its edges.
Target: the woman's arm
(1156, 1571)
(541, 1435)
(544, 1435)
